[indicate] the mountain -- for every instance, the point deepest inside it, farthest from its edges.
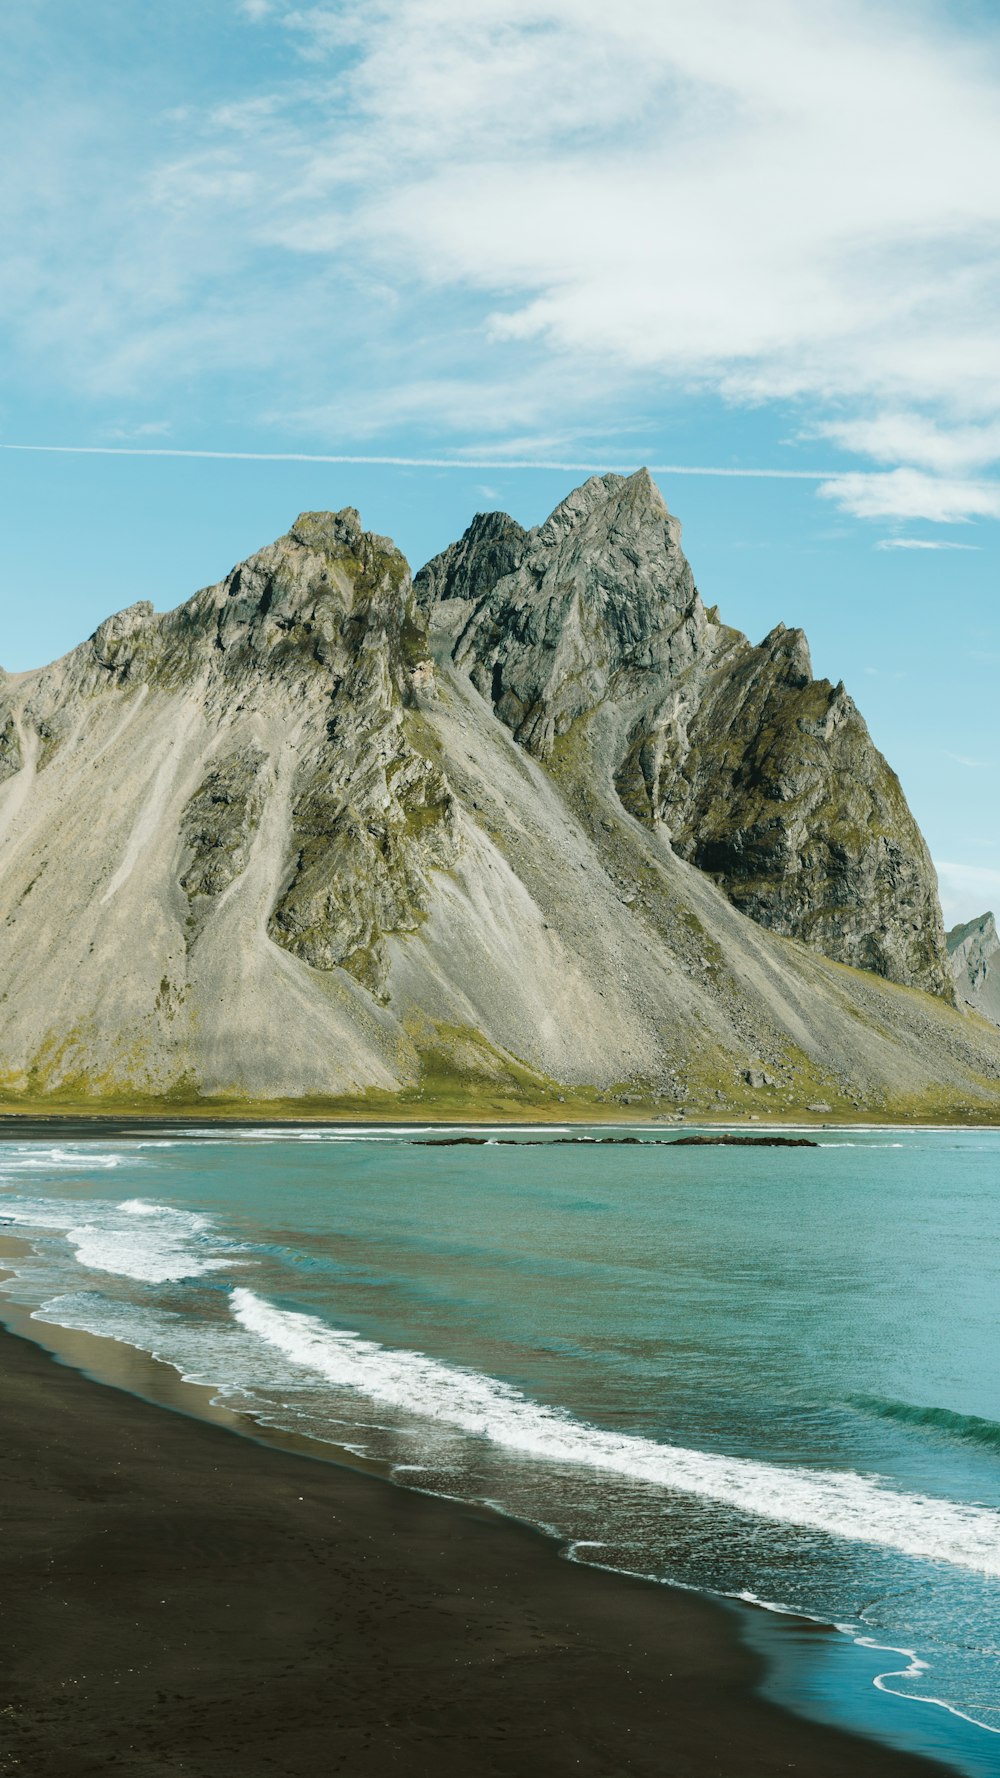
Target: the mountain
(974, 956)
(536, 829)
(590, 640)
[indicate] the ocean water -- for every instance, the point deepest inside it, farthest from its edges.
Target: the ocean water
(771, 1374)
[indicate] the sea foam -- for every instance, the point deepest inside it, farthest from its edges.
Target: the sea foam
(842, 1504)
(151, 1243)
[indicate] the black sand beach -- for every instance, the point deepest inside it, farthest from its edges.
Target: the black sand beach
(180, 1599)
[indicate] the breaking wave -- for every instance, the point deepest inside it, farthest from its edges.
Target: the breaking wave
(151, 1243)
(971, 1429)
(841, 1504)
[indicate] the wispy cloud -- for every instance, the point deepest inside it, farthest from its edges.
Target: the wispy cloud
(141, 429)
(922, 543)
(962, 759)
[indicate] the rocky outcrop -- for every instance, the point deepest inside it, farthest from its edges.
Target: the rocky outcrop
(217, 829)
(590, 640)
(11, 757)
(974, 956)
(782, 797)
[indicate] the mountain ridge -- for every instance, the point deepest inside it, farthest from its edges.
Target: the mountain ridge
(278, 846)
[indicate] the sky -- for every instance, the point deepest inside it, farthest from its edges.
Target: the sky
(426, 258)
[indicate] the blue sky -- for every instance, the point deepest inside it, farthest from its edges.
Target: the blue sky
(696, 234)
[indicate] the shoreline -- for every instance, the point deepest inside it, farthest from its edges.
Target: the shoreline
(35, 1125)
(232, 1601)
(785, 1641)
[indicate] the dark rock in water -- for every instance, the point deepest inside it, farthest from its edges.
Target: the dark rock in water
(618, 1141)
(455, 1141)
(722, 1141)
(728, 1141)
(536, 1141)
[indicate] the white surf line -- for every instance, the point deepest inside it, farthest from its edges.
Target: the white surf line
(914, 1668)
(839, 1503)
(478, 463)
(913, 1671)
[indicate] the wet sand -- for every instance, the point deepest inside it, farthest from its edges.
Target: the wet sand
(177, 1598)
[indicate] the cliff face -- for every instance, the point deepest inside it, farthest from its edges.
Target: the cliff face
(588, 637)
(974, 956)
(320, 832)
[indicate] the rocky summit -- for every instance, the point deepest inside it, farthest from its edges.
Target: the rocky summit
(974, 956)
(535, 829)
(589, 638)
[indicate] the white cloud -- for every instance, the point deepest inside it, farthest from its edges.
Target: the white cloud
(670, 191)
(141, 429)
(913, 438)
(563, 207)
(967, 890)
(962, 759)
(912, 494)
(922, 543)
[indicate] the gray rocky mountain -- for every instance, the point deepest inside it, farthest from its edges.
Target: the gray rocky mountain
(321, 835)
(590, 640)
(974, 956)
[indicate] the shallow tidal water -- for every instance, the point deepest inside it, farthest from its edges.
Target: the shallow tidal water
(766, 1373)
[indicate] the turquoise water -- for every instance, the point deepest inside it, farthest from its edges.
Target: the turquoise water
(766, 1373)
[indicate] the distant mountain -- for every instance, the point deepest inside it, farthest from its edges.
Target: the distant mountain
(536, 826)
(974, 956)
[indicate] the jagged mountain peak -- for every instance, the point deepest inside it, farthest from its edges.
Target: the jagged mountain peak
(303, 601)
(791, 648)
(617, 523)
(296, 564)
(626, 505)
(325, 561)
(589, 639)
(548, 621)
(982, 927)
(330, 532)
(974, 957)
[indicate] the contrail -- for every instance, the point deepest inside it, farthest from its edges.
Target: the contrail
(480, 463)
